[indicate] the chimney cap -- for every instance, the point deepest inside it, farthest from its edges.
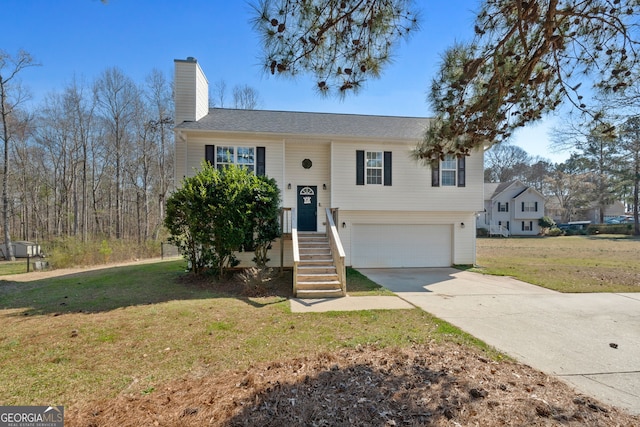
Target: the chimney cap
(191, 59)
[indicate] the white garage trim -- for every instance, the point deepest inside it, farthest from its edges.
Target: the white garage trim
(401, 245)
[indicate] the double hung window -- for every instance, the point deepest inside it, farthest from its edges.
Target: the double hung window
(241, 156)
(374, 167)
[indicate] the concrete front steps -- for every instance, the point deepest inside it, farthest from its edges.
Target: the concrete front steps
(317, 276)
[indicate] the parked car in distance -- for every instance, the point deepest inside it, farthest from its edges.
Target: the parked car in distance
(620, 219)
(574, 225)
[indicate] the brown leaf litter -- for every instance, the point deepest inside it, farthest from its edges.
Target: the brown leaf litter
(439, 384)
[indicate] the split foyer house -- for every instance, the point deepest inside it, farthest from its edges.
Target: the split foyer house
(349, 176)
(511, 208)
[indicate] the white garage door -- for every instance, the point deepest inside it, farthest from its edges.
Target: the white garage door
(387, 245)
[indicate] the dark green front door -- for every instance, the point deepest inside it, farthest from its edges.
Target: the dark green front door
(307, 208)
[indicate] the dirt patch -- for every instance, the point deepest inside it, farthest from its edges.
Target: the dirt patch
(436, 385)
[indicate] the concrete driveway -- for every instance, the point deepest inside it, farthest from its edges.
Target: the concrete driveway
(592, 341)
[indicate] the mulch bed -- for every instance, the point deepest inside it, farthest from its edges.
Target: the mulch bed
(440, 384)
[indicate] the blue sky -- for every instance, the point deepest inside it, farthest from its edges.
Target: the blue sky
(82, 38)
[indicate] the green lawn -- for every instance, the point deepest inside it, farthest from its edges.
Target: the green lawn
(129, 329)
(97, 334)
(13, 267)
(604, 263)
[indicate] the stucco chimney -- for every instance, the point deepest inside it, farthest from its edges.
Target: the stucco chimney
(191, 91)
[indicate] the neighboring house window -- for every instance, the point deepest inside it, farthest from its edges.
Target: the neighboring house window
(527, 226)
(253, 158)
(529, 206)
(449, 172)
(503, 207)
(373, 167)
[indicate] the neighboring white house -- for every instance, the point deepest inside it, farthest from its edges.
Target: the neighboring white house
(391, 210)
(511, 209)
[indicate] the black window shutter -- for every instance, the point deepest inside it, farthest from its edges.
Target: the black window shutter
(522, 206)
(507, 205)
(522, 225)
(435, 173)
(260, 161)
(461, 171)
(387, 168)
(536, 206)
(359, 167)
(507, 225)
(210, 154)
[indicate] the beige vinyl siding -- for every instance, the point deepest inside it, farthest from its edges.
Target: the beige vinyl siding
(411, 188)
(192, 92)
(463, 240)
(202, 94)
(189, 156)
(317, 175)
(179, 161)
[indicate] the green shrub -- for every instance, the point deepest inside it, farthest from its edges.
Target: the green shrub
(546, 223)
(216, 213)
(555, 231)
(626, 229)
(482, 232)
(575, 232)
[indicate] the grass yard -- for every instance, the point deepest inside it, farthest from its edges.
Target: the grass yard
(13, 267)
(98, 334)
(148, 345)
(605, 263)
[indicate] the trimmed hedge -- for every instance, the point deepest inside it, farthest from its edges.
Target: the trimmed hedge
(626, 229)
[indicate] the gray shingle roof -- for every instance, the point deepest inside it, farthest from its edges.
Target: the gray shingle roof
(309, 124)
(492, 189)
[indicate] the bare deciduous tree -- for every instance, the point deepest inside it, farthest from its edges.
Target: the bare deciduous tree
(218, 94)
(245, 98)
(503, 161)
(11, 96)
(116, 97)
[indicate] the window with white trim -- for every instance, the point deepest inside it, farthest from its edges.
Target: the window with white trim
(374, 167)
(503, 207)
(529, 206)
(241, 156)
(527, 225)
(448, 171)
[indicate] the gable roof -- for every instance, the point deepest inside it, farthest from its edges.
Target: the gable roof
(492, 189)
(309, 124)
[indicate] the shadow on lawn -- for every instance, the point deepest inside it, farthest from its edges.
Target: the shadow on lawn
(120, 287)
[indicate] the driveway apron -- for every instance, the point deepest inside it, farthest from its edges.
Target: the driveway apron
(592, 341)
